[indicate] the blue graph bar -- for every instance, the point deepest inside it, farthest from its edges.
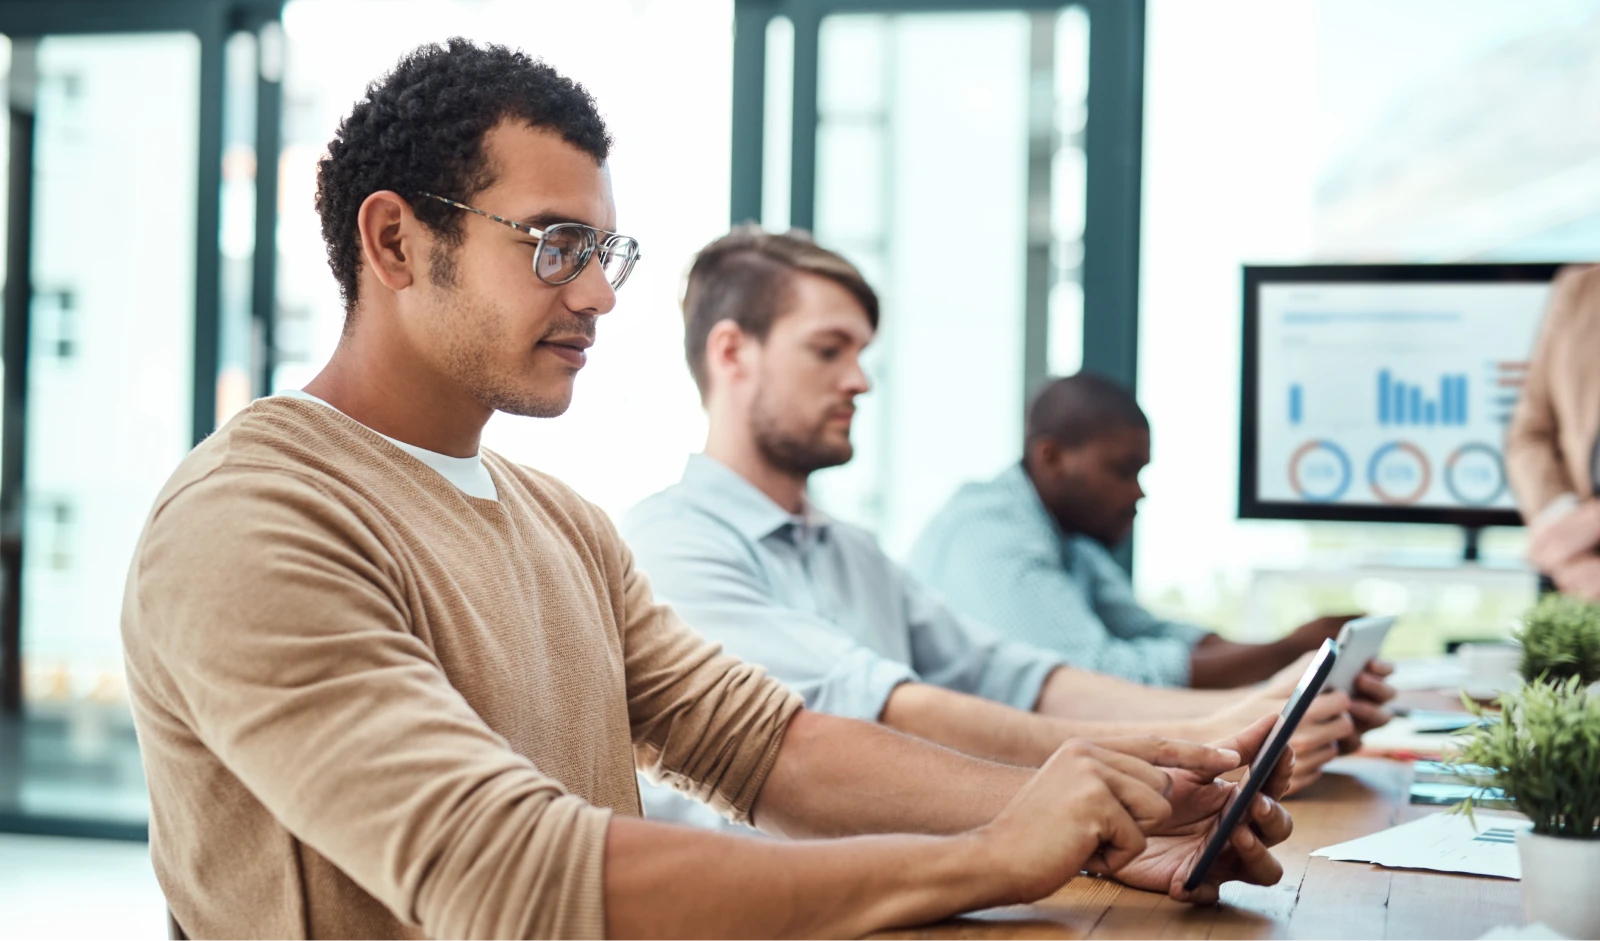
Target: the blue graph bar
(1404, 403)
(1296, 403)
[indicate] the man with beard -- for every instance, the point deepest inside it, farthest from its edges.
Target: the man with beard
(775, 326)
(1026, 553)
(388, 684)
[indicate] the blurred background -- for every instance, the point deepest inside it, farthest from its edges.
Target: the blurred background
(1118, 159)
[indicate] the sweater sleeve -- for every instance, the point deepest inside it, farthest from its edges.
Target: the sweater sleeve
(281, 622)
(1535, 465)
(704, 722)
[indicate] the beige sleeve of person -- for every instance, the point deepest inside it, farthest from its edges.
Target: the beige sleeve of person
(1535, 465)
(277, 621)
(703, 722)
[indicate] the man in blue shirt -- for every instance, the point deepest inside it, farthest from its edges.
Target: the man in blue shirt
(774, 330)
(1027, 553)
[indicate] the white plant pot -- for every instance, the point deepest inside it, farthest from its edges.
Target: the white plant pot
(1561, 883)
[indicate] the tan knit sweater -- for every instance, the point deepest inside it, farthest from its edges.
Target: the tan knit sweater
(373, 706)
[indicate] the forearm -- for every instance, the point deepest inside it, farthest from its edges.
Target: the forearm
(839, 777)
(987, 729)
(1071, 693)
(1223, 664)
(663, 881)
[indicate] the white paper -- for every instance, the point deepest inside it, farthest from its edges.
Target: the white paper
(1442, 843)
(1538, 931)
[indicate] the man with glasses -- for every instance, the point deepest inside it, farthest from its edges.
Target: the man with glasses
(390, 684)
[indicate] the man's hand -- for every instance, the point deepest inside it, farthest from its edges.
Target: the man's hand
(1316, 740)
(1368, 707)
(1578, 576)
(1092, 802)
(1174, 845)
(1558, 539)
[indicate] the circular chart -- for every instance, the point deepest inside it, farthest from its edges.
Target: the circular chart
(1399, 473)
(1475, 475)
(1319, 471)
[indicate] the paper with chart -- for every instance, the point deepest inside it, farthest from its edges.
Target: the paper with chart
(1442, 843)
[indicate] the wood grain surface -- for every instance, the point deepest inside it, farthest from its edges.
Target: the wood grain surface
(1317, 898)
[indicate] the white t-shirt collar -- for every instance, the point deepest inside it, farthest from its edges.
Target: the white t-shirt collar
(468, 474)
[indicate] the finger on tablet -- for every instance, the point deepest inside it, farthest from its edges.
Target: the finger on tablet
(1169, 753)
(1249, 740)
(1143, 771)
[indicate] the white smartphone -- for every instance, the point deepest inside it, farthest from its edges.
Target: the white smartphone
(1359, 641)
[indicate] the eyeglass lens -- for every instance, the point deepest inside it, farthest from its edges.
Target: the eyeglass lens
(566, 248)
(617, 257)
(562, 252)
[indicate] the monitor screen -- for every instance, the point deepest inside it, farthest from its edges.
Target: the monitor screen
(1383, 392)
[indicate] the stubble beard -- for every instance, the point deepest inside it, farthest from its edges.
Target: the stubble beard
(799, 454)
(474, 334)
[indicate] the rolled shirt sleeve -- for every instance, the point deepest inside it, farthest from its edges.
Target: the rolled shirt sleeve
(705, 574)
(703, 722)
(961, 654)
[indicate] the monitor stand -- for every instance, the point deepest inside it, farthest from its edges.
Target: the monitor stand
(1469, 548)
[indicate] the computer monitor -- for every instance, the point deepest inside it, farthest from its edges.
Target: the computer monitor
(1381, 393)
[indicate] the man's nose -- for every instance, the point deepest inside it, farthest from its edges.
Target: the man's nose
(590, 293)
(857, 382)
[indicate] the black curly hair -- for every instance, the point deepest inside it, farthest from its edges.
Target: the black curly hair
(420, 129)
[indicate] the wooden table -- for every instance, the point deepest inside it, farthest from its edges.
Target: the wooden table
(1317, 898)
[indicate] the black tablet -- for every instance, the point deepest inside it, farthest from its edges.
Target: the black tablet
(1261, 769)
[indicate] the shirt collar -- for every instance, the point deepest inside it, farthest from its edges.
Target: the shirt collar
(720, 491)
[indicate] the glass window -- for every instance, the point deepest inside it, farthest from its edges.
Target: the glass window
(923, 180)
(1337, 130)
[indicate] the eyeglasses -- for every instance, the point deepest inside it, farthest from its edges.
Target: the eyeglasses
(566, 248)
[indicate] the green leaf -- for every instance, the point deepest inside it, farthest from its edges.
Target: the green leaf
(1545, 750)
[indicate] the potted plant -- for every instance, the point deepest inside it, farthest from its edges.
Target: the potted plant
(1544, 749)
(1560, 637)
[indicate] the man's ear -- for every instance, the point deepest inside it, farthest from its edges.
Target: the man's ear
(390, 236)
(1051, 457)
(727, 351)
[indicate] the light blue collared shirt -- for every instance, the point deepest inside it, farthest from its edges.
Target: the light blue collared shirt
(812, 600)
(995, 553)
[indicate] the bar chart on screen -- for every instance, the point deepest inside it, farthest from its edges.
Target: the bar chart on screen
(1403, 403)
(1390, 396)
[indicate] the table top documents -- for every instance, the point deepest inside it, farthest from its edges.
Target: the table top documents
(1483, 845)
(1317, 897)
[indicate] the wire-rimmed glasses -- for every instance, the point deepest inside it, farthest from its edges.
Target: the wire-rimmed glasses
(566, 248)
